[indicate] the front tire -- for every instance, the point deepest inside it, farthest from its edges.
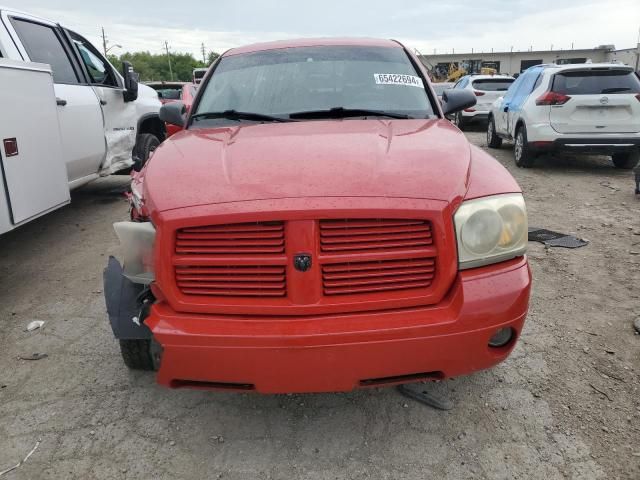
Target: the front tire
(137, 354)
(522, 154)
(459, 120)
(146, 143)
(493, 140)
(626, 160)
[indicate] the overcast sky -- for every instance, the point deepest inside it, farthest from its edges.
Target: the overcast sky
(426, 24)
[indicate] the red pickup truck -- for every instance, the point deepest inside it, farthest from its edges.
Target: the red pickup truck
(318, 225)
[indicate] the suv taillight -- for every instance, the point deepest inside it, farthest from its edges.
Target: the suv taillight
(638, 97)
(477, 93)
(552, 98)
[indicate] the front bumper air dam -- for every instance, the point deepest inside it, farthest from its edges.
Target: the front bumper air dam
(121, 296)
(341, 352)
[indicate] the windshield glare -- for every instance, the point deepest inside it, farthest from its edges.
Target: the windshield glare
(291, 80)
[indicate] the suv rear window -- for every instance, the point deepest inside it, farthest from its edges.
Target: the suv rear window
(492, 84)
(595, 82)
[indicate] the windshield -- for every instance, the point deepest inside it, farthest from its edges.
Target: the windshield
(305, 79)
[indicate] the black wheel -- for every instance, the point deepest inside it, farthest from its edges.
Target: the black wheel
(459, 120)
(626, 160)
(522, 154)
(146, 143)
(493, 140)
(137, 354)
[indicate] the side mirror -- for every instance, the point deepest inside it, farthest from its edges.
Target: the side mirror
(130, 82)
(174, 113)
(455, 100)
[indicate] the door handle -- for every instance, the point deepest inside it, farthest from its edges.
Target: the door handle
(61, 102)
(103, 102)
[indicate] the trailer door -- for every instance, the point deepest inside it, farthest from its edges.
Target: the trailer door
(33, 169)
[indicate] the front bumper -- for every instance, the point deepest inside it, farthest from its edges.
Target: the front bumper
(340, 352)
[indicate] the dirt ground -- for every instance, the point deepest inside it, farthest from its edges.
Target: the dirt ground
(566, 404)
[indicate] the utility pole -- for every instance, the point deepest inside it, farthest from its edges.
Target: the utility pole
(166, 46)
(638, 51)
(104, 42)
(204, 55)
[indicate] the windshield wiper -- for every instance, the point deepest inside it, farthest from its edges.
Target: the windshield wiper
(342, 112)
(236, 115)
(615, 89)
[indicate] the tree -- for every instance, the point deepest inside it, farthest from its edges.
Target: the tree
(212, 57)
(155, 67)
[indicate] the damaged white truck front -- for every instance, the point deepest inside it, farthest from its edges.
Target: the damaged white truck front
(105, 121)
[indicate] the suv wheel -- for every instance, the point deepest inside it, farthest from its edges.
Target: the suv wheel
(458, 119)
(493, 140)
(626, 160)
(522, 154)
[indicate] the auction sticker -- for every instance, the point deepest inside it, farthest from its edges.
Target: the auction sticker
(398, 79)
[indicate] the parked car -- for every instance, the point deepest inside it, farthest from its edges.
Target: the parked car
(322, 229)
(440, 87)
(102, 115)
(167, 91)
(583, 108)
(187, 95)
(487, 88)
(198, 74)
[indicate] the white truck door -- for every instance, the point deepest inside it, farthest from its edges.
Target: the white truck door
(81, 122)
(32, 166)
(120, 117)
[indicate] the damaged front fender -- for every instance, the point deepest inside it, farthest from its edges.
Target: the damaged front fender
(124, 304)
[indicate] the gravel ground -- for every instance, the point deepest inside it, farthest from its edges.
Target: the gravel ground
(566, 404)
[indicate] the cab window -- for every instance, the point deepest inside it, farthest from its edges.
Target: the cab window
(100, 72)
(43, 45)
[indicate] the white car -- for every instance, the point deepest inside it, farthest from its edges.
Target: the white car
(487, 88)
(580, 108)
(440, 87)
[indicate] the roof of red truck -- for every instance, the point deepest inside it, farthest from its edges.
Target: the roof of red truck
(314, 42)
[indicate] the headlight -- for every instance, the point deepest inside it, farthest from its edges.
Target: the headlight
(491, 229)
(137, 239)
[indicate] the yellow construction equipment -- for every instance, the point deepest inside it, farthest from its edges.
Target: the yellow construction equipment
(455, 73)
(488, 71)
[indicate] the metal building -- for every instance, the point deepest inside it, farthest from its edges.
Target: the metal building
(517, 61)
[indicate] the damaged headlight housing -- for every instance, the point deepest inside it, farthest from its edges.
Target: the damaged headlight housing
(137, 239)
(491, 229)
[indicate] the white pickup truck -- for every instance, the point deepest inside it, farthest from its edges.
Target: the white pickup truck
(66, 109)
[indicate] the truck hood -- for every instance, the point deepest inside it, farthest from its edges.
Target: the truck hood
(425, 159)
